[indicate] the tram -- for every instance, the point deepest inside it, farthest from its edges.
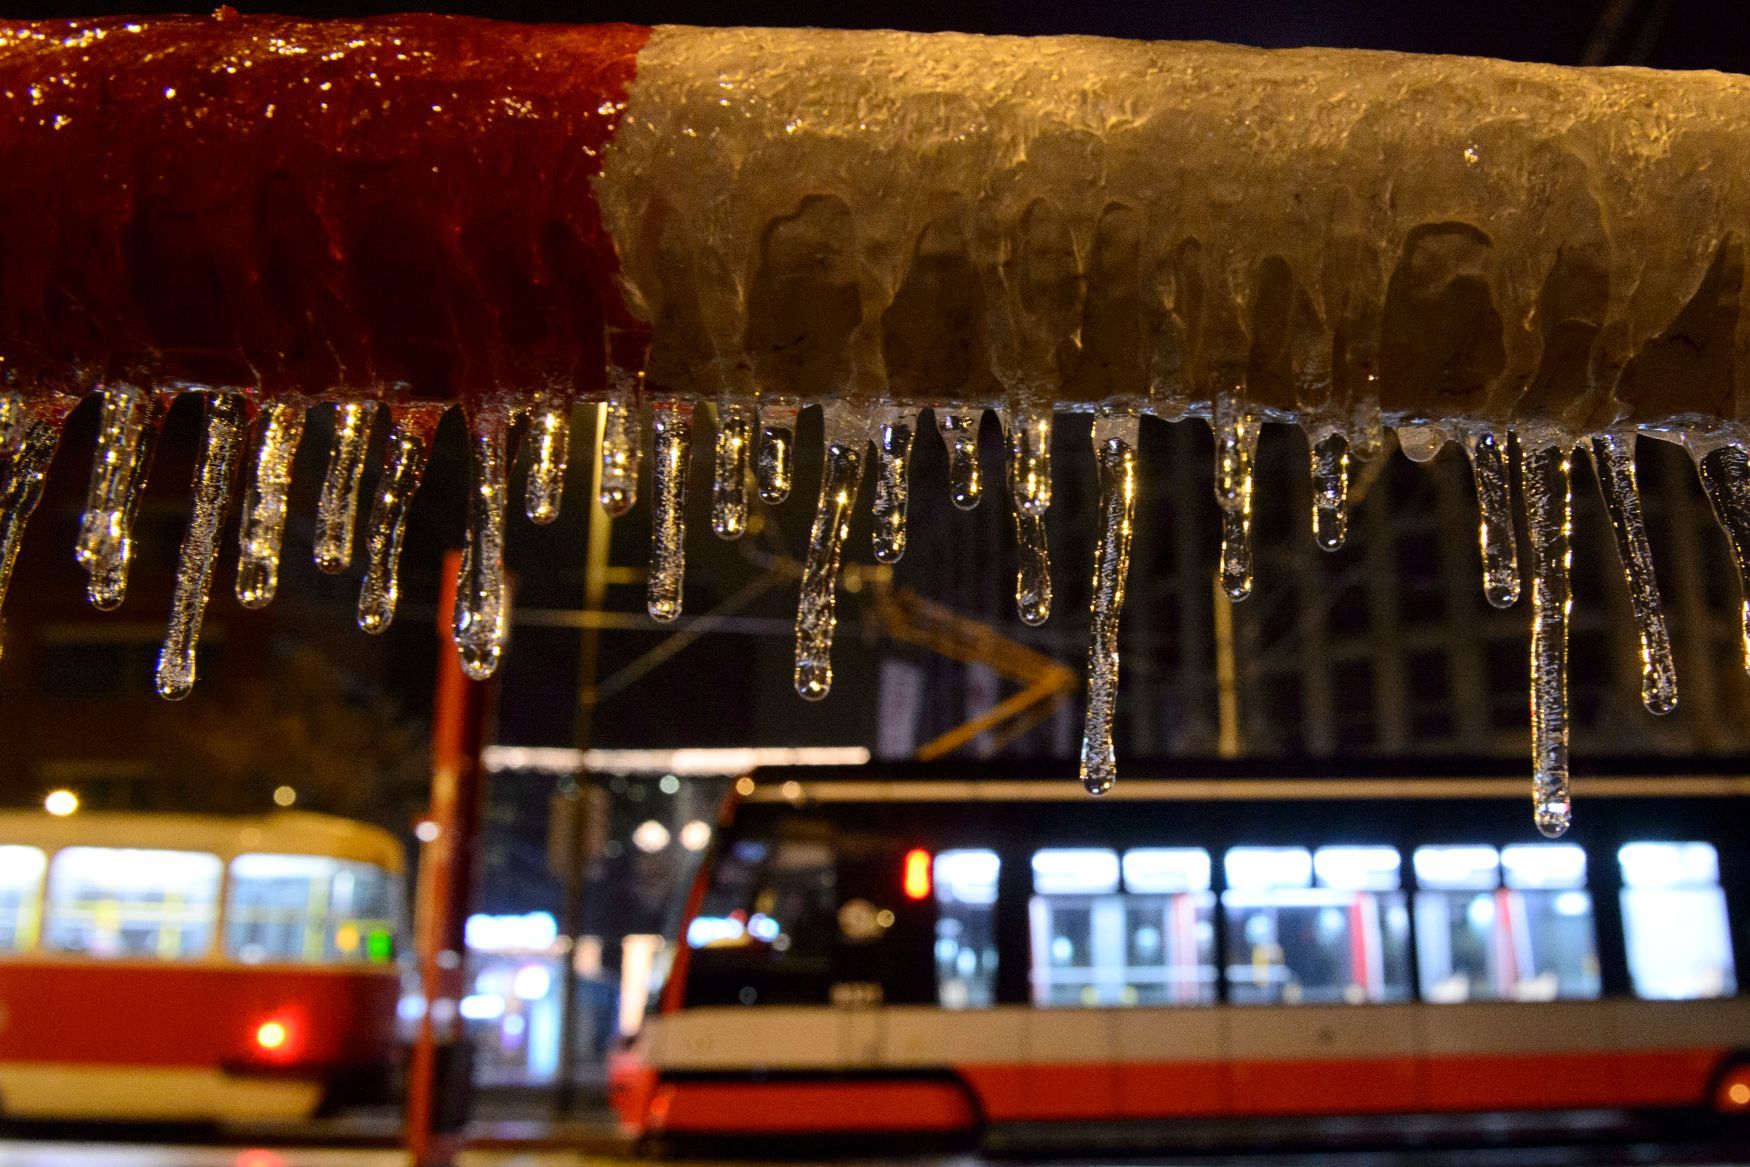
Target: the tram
(160, 967)
(949, 950)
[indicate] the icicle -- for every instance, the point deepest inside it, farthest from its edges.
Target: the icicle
(847, 435)
(668, 534)
(1367, 427)
(620, 457)
(959, 430)
(1236, 445)
(127, 436)
(550, 452)
(11, 421)
(1615, 458)
(1420, 443)
(403, 469)
(1115, 439)
(1545, 482)
(1029, 434)
(24, 461)
(1725, 474)
(480, 616)
(264, 504)
(894, 430)
(732, 469)
(226, 423)
(1495, 531)
(1330, 490)
(337, 508)
(777, 452)
(1029, 475)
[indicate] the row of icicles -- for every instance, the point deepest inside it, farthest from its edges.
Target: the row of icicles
(753, 453)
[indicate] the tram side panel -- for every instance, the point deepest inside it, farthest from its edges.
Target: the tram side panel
(867, 1033)
(136, 1040)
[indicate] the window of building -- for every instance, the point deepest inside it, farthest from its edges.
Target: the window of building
(1508, 925)
(1122, 931)
(116, 902)
(1674, 921)
(309, 909)
(1354, 709)
(21, 885)
(1315, 927)
(966, 936)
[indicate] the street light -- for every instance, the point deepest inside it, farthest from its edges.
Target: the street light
(650, 836)
(61, 803)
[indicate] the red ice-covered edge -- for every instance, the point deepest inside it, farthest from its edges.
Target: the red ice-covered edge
(398, 207)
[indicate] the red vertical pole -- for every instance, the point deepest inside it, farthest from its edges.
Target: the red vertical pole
(439, 1074)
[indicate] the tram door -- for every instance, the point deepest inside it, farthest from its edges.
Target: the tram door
(878, 938)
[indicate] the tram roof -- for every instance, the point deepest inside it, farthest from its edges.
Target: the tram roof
(1225, 779)
(292, 832)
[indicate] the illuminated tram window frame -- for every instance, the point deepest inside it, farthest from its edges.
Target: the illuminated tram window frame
(1677, 932)
(22, 871)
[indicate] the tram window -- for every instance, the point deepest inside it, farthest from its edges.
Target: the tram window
(766, 927)
(966, 937)
(21, 882)
(1316, 927)
(1151, 943)
(1513, 925)
(309, 909)
(1075, 870)
(1077, 927)
(1674, 920)
(1169, 927)
(114, 902)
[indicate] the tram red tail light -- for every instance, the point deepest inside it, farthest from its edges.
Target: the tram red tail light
(273, 1036)
(917, 874)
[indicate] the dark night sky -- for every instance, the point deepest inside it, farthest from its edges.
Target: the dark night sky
(1680, 34)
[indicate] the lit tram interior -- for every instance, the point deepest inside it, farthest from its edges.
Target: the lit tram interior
(959, 949)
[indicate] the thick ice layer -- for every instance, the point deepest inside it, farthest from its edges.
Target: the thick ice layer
(391, 206)
(939, 218)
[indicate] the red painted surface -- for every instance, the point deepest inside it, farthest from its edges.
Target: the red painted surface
(1175, 1090)
(1166, 1090)
(1001, 1090)
(631, 1087)
(296, 206)
(1651, 1078)
(139, 1013)
(1073, 1090)
(448, 875)
(1358, 1086)
(803, 1107)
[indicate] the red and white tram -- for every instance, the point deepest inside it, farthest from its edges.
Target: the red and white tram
(195, 968)
(949, 950)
